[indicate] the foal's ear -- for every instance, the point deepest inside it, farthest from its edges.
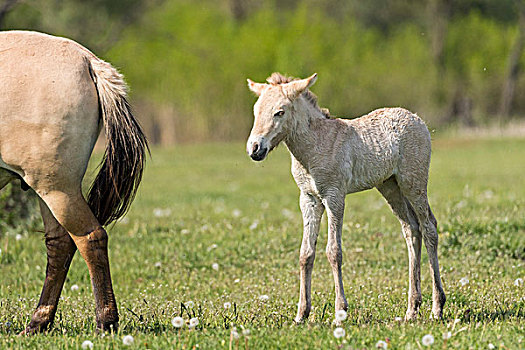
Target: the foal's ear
(257, 88)
(297, 87)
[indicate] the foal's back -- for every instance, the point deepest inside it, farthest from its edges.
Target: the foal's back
(384, 143)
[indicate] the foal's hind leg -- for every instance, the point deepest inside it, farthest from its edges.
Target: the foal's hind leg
(417, 196)
(60, 252)
(73, 213)
(402, 210)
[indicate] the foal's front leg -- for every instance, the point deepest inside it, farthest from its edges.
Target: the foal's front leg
(335, 206)
(312, 210)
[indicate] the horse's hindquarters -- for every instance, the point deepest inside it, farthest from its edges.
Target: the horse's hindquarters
(48, 110)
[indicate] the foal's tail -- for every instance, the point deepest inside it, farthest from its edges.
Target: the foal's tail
(121, 169)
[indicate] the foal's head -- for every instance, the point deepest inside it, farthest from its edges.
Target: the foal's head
(274, 111)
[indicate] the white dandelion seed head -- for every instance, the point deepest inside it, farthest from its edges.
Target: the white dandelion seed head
(18, 236)
(236, 213)
(189, 304)
(177, 322)
(518, 282)
(381, 344)
(215, 266)
(194, 322)
(227, 305)
(75, 287)
(254, 225)
(463, 281)
(491, 346)
(235, 334)
(340, 315)
(339, 332)
(158, 264)
(86, 344)
(264, 297)
(237, 280)
(427, 340)
(159, 212)
(128, 340)
(398, 319)
(447, 335)
(246, 332)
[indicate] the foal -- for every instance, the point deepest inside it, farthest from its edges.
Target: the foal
(388, 149)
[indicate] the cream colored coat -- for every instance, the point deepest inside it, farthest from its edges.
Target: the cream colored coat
(55, 96)
(388, 149)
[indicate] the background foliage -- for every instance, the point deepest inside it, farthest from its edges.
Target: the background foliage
(451, 61)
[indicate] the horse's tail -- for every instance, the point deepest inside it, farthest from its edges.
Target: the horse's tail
(121, 168)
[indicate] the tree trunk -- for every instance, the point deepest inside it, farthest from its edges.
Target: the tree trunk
(5, 7)
(513, 69)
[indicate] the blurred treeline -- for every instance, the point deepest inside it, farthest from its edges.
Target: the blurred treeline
(451, 61)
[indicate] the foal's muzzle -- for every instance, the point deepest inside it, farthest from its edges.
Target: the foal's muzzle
(256, 150)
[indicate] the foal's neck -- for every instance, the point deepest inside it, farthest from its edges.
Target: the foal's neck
(306, 133)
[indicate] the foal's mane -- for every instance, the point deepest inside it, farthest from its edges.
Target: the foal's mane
(278, 78)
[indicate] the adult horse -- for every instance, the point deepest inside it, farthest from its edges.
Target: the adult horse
(388, 149)
(55, 97)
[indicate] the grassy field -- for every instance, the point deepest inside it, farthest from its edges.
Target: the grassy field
(209, 204)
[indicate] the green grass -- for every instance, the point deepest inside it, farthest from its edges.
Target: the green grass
(244, 216)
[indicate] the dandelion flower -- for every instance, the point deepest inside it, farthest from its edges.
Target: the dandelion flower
(177, 322)
(189, 304)
(128, 340)
(215, 266)
(518, 282)
(339, 332)
(75, 287)
(194, 322)
(227, 305)
(264, 297)
(87, 345)
(381, 345)
(447, 335)
(427, 340)
(463, 281)
(340, 315)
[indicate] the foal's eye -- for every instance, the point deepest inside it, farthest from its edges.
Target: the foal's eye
(279, 113)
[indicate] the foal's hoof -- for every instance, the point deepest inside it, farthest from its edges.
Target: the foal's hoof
(411, 315)
(299, 320)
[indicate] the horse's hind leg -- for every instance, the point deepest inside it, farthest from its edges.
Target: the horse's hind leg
(73, 213)
(403, 211)
(60, 252)
(416, 194)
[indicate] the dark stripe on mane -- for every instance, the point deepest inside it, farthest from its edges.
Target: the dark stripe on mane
(278, 78)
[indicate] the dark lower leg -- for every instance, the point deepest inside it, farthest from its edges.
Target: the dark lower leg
(60, 252)
(94, 249)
